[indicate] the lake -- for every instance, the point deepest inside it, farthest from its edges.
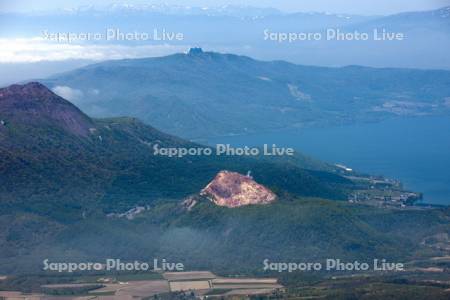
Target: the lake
(413, 150)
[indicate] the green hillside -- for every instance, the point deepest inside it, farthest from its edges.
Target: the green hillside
(111, 165)
(66, 179)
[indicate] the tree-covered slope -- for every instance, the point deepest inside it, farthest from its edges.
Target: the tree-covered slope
(53, 155)
(62, 174)
(229, 240)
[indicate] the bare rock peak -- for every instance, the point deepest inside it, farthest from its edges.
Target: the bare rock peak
(35, 103)
(195, 51)
(232, 189)
(31, 89)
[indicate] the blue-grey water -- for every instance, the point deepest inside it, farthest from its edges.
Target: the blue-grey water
(413, 150)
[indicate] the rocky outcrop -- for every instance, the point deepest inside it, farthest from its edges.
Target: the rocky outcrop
(232, 189)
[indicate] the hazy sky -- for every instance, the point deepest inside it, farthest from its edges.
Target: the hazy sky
(337, 6)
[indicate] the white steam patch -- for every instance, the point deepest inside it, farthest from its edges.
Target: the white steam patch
(68, 93)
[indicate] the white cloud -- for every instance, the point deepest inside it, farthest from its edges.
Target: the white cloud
(16, 50)
(68, 93)
(95, 92)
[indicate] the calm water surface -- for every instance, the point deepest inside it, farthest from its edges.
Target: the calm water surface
(413, 150)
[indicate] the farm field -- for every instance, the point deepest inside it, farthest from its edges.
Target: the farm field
(244, 281)
(177, 286)
(135, 287)
(217, 286)
(194, 275)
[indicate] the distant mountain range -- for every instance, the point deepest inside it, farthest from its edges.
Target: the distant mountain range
(203, 94)
(242, 30)
(224, 10)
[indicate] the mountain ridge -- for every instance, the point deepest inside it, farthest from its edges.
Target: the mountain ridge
(204, 94)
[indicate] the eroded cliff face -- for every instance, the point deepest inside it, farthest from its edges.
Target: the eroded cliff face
(232, 189)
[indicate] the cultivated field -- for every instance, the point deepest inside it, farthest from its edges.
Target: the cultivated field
(249, 292)
(244, 280)
(136, 288)
(196, 275)
(247, 286)
(176, 286)
(19, 296)
(202, 283)
(245, 283)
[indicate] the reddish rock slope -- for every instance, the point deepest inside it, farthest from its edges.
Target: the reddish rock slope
(232, 189)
